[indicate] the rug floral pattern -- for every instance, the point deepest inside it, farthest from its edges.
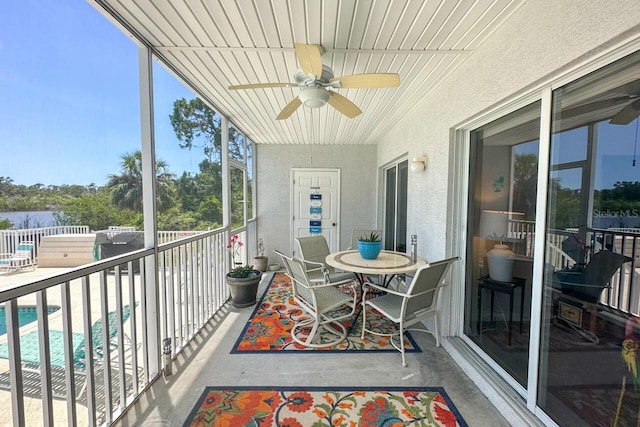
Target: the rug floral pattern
(269, 328)
(427, 406)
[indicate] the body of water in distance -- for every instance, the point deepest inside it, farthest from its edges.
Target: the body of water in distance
(33, 219)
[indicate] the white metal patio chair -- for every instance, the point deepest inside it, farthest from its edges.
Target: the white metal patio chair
(314, 249)
(22, 258)
(320, 300)
(413, 306)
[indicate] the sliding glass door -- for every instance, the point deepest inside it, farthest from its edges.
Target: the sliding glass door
(504, 171)
(395, 207)
(590, 312)
(587, 277)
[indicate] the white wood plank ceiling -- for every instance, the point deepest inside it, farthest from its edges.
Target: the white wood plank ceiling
(217, 43)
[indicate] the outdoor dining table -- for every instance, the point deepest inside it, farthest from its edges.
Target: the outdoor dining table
(388, 264)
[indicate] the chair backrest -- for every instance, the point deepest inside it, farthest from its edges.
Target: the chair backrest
(425, 286)
(112, 318)
(300, 281)
(357, 234)
(24, 249)
(315, 249)
(602, 266)
(79, 357)
(588, 284)
(285, 261)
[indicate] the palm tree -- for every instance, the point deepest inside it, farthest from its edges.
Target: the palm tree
(126, 188)
(525, 184)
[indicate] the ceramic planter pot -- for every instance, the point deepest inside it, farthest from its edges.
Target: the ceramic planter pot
(261, 263)
(244, 289)
(369, 250)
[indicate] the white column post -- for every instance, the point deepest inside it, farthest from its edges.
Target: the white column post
(150, 293)
(226, 181)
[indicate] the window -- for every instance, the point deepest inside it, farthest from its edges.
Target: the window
(70, 118)
(240, 174)
(504, 159)
(590, 281)
(591, 298)
(187, 144)
(395, 214)
(250, 181)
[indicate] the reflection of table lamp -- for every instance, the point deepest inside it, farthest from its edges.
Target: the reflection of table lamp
(494, 225)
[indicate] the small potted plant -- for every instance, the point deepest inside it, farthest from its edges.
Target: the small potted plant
(243, 280)
(370, 245)
(261, 262)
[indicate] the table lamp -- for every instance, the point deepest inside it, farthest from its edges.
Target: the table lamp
(494, 225)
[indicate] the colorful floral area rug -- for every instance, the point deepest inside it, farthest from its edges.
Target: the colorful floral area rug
(303, 406)
(269, 328)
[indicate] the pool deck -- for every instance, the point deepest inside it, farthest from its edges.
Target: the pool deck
(10, 280)
(33, 407)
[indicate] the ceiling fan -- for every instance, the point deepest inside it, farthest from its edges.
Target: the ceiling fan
(316, 80)
(626, 102)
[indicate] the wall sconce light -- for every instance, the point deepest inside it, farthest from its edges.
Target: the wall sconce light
(418, 164)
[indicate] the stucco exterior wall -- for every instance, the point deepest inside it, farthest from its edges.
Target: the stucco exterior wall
(357, 195)
(541, 39)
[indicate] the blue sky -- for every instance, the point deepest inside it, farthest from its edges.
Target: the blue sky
(614, 159)
(69, 101)
(69, 97)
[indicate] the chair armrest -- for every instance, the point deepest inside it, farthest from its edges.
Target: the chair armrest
(312, 265)
(317, 266)
(383, 289)
(582, 285)
(316, 285)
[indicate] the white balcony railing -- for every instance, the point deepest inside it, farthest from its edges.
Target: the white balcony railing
(118, 310)
(623, 291)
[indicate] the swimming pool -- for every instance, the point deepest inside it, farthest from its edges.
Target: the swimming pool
(26, 315)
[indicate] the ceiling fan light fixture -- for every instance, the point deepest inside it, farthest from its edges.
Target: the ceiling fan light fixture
(314, 97)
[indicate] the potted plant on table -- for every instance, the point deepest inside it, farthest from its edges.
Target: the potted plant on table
(370, 245)
(243, 280)
(261, 262)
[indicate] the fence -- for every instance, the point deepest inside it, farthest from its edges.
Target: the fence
(623, 292)
(9, 239)
(109, 304)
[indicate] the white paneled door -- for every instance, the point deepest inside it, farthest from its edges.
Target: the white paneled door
(316, 204)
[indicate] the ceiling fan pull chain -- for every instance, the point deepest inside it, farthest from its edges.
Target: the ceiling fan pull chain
(635, 142)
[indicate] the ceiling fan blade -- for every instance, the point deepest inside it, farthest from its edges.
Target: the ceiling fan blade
(343, 105)
(310, 58)
(592, 107)
(363, 81)
(261, 85)
(289, 109)
(627, 114)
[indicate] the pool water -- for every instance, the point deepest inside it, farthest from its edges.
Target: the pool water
(26, 315)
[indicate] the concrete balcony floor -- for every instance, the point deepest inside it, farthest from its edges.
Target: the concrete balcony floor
(208, 362)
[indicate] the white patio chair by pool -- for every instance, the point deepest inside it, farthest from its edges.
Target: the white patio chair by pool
(30, 350)
(21, 259)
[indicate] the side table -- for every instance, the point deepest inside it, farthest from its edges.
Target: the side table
(503, 287)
